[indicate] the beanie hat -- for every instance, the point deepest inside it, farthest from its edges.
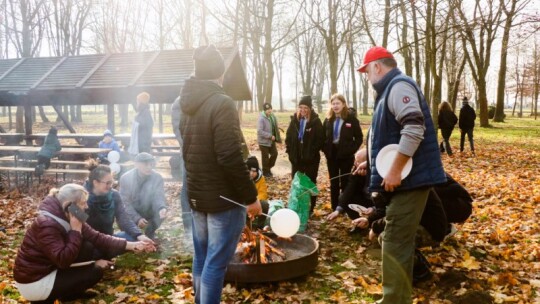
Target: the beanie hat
(267, 106)
(209, 64)
(306, 100)
(53, 130)
(252, 163)
(144, 157)
(107, 133)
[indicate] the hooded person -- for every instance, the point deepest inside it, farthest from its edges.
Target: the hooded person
(215, 168)
(51, 145)
(142, 191)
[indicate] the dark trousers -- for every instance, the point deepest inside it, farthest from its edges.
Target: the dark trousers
(268, 157)
(45, 161)
(73, 281)
(338, 167)
(469, 133)
(311, 170)
(445, 144)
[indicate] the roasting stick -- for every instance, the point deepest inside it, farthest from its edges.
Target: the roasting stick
(345, 174)
(230, 200)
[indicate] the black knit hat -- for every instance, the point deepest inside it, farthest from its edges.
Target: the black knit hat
(267, 106)
(252, 163)
(306, 100)
(209, 63)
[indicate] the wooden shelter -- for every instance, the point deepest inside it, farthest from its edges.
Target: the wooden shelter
(107, 79)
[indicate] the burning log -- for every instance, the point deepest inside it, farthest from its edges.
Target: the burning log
(255, 247)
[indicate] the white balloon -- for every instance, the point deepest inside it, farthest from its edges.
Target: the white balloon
(285, 223)
(113, 157)
(115, 168)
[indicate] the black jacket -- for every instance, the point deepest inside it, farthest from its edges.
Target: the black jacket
(212, 148)
(447, 120)
(350, 137)
(306, 151)
(466, 117)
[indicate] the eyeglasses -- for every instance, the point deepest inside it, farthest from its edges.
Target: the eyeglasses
(109, 183)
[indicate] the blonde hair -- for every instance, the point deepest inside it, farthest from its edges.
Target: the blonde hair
(69, 193)
(344, 112)
(143, 98)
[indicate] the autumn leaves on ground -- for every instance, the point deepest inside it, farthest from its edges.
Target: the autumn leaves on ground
(493, 258)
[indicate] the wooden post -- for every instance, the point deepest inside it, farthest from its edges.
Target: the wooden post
(64, 119)
(160, 107)
(110, 117)
(27, 120)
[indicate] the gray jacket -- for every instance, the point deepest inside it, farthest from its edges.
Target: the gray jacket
(264, 130)
(142, 197)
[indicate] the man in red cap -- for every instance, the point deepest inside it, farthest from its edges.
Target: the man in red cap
(401, 117)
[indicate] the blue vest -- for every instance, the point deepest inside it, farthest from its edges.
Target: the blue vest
(427, 167)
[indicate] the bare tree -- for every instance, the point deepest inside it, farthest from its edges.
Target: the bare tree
(25, 30)
(334, 24)
(478, 34)
(511, 10)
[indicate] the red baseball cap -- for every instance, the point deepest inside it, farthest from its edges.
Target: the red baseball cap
(374, 53)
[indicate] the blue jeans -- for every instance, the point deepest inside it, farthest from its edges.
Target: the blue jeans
(215, 236)
(187, 218)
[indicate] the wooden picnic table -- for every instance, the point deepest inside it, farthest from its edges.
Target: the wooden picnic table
(12, 139)
(89, 140)
(67, 150)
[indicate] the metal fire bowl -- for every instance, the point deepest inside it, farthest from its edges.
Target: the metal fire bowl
(301, 253)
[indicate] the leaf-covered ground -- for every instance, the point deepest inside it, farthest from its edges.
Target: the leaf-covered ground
(494, 257)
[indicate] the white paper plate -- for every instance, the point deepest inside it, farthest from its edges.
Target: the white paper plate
(358, 208)
(386, 157)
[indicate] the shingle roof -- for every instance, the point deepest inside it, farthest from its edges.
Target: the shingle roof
(107, 79)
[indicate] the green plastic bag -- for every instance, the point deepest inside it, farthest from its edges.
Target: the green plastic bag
(302, 188)
(273, 206)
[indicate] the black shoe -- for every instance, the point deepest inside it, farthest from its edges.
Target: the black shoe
(267, 174)
(87, 294)
(421, 267)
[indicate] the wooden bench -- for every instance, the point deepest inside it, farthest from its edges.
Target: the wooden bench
(28, 173)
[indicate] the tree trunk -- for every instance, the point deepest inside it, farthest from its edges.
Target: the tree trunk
(42, 114)
(19, 120)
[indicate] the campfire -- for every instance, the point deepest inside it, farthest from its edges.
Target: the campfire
(256, 248)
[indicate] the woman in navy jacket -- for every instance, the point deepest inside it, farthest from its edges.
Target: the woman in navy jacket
(343, 137)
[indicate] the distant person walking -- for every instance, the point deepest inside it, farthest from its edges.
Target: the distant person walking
(304, 141)
(143, 124)
(447, 121)
(343, 137)
(467, 116)
(267, 137)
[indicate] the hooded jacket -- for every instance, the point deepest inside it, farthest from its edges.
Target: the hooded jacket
(51, 145)
(48, 246)
(307, 150)
(212, 148)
